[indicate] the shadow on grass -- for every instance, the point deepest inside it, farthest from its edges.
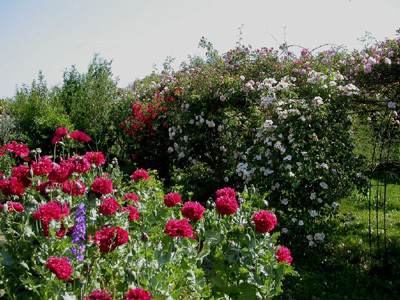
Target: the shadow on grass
(345, 268)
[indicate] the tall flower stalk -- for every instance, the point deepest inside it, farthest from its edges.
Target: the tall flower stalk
(79, 233)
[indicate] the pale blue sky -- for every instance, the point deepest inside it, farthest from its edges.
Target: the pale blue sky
(52, 35)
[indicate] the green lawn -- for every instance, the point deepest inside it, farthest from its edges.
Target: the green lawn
(347, 268)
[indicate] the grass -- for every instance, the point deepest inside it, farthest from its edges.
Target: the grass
(347, 267)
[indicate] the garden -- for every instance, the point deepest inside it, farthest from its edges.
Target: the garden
(252, 174)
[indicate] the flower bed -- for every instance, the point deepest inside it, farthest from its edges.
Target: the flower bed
(75, 228)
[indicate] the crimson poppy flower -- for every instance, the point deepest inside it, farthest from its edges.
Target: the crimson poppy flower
(79, 136)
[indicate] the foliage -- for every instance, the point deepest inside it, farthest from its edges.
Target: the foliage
(89, 100)
(37, 110)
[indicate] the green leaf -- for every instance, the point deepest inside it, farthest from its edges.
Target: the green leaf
(7, 258)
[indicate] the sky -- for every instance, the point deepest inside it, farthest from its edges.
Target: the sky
(53, 35)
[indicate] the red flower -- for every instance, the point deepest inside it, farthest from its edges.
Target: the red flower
(42, 186)
(265, 221)
(109, 206)
(226, 192)
(61, 172)
(137, 294)
(44, 166)
(59, 266)
(132, 197)
(102, 185)
(4, 185)
(19, 149)
(140, 173)
(133, 213)
(50, 211)
(99, 295)
(73, 188)
(78, 164)
(62, 132)
(171, 199)
(16, 187)
(95, 158)
(15, 206)
(22, 173)
(179, 228)
(193, 210)
(79, 136)
(110, 238)
(226, 205)
(283, 254)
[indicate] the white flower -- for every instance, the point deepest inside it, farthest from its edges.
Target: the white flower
(287, 157)
(310, 243)
(313, 196)
(284, 230)
(319, 237)
(268, 172)
(222, 98)
(319, 200)
(323, 185)
(242, 77)
(391, 105)
(301, 223)
(181, 155)
(170, 150)
(335, 205)
(324, 166)
(309, 237)
(294, 220)
(313, 213)
(226, 179)
(284, 201)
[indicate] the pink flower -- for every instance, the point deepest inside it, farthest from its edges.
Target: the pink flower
(73, 188)
(19, 149)
(80, 137)
(283, 254)
(44, 166)
(265, 221)
(22, 173)
(15, 206)
(226, 205)
(226, 192)
(99, 295)
(95, 158)
(179, 228)
(110, 238)
(140, 173)
(132, 197)
(79, 164)
(137, 294)
(59, 266)
(102, 185)
(304, 52)
(62, 131)
(133, 212)
(16, 187)
(109, 206)
(61, 172)
(51, 211)
(171, 199)
(193, 210)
